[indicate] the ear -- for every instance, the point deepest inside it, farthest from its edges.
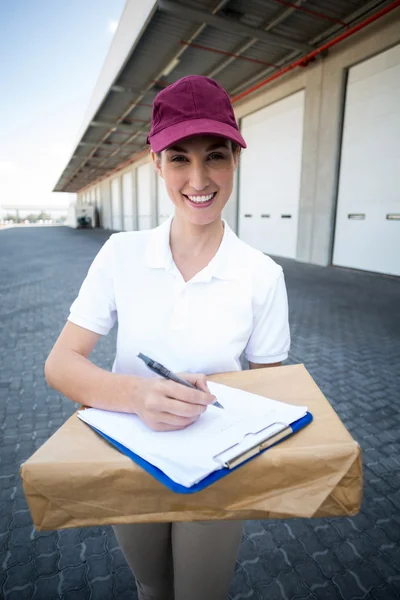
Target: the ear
(156, 163)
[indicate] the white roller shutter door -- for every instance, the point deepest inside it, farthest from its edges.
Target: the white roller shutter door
(127, 202)
(143, 179)
(269, 177)
(367, 234)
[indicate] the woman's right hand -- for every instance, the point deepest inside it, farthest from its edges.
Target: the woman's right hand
(167, 406)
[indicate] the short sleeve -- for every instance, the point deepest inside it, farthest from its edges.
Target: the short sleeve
(95, 307)
(270, 339)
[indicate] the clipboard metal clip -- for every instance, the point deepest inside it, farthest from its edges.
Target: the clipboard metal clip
(257, 448)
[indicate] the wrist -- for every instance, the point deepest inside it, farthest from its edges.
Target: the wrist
(129, 391)
(119, 392)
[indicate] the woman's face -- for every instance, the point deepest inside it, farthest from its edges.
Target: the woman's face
(198, 174)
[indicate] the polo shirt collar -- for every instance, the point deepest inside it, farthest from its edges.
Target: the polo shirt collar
(222, 266)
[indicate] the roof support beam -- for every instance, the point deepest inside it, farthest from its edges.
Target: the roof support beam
(284, 14)
(103, 146)
(349, 19)
(113, 126)
(219, 4)
(229, 25)
(244, 47)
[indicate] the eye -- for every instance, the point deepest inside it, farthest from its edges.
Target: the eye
(216, 156)
(178, 158)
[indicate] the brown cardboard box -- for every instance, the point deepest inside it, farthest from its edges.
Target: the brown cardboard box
(77, 479)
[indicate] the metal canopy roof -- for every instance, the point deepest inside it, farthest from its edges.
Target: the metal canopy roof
(237, 42)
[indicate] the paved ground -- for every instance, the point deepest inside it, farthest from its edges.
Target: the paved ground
(346, 330)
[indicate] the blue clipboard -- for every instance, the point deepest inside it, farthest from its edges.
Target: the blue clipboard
(213, 477)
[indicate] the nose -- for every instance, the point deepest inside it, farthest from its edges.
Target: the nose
(198, 178)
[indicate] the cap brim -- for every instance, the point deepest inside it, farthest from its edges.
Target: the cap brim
(180, 131)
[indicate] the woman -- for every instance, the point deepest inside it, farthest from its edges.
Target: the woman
(192, 296)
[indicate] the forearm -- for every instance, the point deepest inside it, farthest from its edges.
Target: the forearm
(77, 378)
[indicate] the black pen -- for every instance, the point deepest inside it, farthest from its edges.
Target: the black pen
(164, 372)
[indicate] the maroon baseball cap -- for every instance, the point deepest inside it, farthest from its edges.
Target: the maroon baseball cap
(193, 105)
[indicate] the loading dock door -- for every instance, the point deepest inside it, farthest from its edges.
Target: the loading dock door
(143, 179)
(367, 232)
(127, 202)
(165, 207)
(269, 177)
(116, 205)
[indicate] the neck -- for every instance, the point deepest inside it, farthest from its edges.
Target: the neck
(188, 240)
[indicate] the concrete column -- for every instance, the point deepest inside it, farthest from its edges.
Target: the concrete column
(105, 191)
(327, 165)
(309, 162)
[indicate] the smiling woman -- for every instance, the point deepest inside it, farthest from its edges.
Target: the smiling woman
(192, 296)
(198, 174)
(195, 145)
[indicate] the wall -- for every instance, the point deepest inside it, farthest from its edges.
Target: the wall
(105, 213)
(324, 83)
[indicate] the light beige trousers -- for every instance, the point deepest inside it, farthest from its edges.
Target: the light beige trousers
(181, 561)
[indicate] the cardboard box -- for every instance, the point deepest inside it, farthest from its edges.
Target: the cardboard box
(76, 479)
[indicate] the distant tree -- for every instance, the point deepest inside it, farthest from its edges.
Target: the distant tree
(12, 218)
(43, 216)
(32, 218)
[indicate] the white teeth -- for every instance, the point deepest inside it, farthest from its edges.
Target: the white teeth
(200, 199)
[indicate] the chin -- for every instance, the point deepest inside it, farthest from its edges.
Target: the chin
(203, 218)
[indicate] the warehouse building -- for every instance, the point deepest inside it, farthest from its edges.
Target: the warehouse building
(316, 89)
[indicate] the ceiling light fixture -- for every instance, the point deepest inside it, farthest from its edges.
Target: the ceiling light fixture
(170, 67)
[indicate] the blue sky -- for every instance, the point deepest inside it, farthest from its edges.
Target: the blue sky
(51, 53)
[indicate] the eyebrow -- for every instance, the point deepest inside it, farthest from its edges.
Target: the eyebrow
(214, 146)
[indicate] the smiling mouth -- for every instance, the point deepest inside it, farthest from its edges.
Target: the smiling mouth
(203, 200)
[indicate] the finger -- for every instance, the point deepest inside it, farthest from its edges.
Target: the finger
(175, 420)
(183, 409)
(185, 394)
(197, 379)
(162, 402)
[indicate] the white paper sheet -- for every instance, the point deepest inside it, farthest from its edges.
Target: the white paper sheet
(188, 455)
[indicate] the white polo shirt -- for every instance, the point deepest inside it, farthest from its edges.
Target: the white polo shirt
(237, 303)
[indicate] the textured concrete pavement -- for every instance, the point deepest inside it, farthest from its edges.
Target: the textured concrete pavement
(345, 329)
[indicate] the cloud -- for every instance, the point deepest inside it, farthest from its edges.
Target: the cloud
(112, 26)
